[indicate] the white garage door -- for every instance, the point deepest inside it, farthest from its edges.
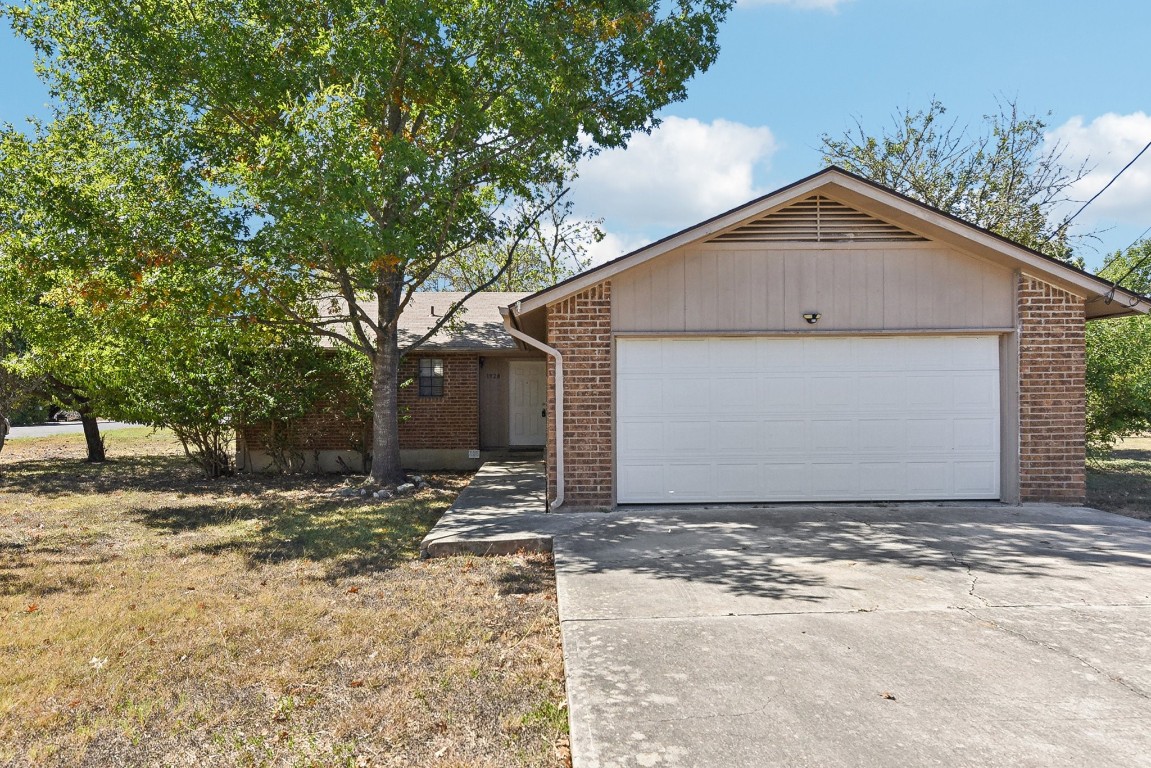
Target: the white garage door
(802, 419)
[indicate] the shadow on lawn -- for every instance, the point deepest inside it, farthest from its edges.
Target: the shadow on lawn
(148, 474)
(346, 537)
(289, 517)
(1132, 454)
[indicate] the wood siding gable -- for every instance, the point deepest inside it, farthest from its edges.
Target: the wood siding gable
(767, 287)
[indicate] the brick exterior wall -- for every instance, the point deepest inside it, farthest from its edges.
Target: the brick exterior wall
(448, 422)
(1052, 396)
(580, 328)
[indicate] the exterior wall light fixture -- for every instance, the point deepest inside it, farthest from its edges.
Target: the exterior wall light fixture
(812, 317)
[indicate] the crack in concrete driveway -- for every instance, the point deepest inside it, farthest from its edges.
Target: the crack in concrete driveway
(908, 634)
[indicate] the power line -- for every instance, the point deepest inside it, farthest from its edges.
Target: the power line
(1119, 254)
(1114, 178)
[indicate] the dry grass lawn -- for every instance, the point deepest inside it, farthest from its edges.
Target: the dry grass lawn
(1122, 482)
(149, 617)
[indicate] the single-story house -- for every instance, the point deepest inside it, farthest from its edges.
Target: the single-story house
(830, 341)
(473, 394)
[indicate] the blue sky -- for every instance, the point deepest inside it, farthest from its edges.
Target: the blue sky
(790, 70)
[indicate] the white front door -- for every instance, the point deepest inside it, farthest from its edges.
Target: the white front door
(527, 393)
(804, 419)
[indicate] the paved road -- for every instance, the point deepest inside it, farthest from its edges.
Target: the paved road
(869, 636)
(66, 428)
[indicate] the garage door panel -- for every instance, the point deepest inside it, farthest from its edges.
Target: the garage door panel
(686, 395)
(881, 393)
(974, 353)
(737, 481)
(975, 391)
(877, 435)
(732, 354)
(643, 482)
(690, 482)
(770, 419)
(831, 434)
(881, 354)
(640, 396)
(784, 481)
(782, 394)
(929, 392)
(833, 394)
(639, 437)
(688, 437)
(784, 435)
(976, 434)
(686, 355)
(736, 437)
(931, 478)
(976, 477)
(645, 358)
(882, 480)
(929, 434)
(779, 355)
(827, 354)
(737, 393)
(834, 480)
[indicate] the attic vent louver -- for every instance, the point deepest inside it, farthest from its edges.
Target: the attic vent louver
(817, 219)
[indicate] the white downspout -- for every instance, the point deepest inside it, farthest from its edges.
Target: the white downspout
(555, 355)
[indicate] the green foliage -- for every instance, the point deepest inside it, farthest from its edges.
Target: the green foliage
(1004, 178)
(28, 412)
(121, 284)
(215, 378)
(1119, 360)
(367, 142)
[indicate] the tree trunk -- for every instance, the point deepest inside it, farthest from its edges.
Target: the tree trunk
(386, 468)
(92, 438)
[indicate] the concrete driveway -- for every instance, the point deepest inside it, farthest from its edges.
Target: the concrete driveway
(818, 636)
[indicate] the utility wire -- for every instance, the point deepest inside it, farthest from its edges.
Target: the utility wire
(1135, 266)
(1114, 178)
(1119, 254)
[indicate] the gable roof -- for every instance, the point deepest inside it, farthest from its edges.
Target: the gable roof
(478, 325)
(877, 212)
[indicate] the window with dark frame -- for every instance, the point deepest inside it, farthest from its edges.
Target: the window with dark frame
(431, 377)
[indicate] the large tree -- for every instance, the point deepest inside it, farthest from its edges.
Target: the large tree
(1002, 175)
(367, 141)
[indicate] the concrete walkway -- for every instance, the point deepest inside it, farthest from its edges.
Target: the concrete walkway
(848, 635)
(502, 511)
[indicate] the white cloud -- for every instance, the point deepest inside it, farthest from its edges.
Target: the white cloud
(1106, 144)
(682, 173)
(613, 246)
(803, 5)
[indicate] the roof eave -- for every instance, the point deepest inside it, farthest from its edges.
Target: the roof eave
(925, 220)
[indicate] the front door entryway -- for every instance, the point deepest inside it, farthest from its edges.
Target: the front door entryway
(527, 402)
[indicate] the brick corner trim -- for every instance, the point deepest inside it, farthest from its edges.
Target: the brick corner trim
(579, 326)
(1052, 393)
